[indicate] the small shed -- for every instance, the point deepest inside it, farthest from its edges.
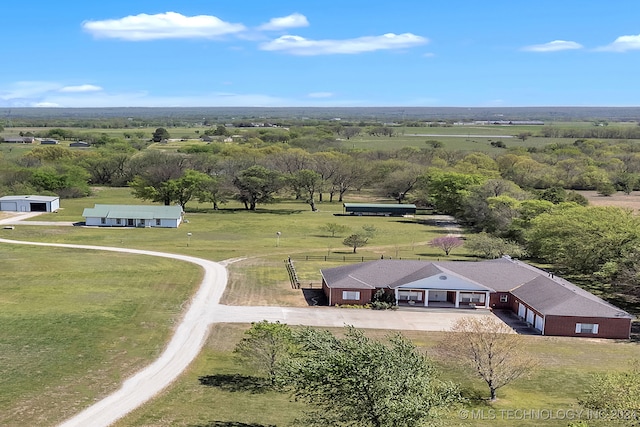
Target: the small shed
(380, 209)
(133, 216)
(29, 203)
(49, 142)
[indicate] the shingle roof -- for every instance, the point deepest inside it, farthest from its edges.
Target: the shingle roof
(133, 211)
(393, 274)
(544, 293)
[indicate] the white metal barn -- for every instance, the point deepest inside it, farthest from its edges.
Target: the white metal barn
(133, 216)
(29, 203)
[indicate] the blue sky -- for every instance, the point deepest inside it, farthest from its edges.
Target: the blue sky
(160, 53)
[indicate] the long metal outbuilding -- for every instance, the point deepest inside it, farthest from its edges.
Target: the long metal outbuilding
(380, 209)
(29, 203)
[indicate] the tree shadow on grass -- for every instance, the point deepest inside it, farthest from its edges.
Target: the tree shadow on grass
(230, 424)
(236, 383)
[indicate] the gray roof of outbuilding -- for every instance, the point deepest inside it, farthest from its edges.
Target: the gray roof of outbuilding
(30, 198)
(133, 211)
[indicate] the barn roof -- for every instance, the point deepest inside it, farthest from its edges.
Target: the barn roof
(29, 198)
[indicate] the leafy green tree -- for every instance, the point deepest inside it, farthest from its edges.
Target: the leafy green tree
(356, 381)
(334, 228)
(448, 190)
(160, 134)
(490, 247)
(308, 181)
(264, 347)
(355, 241)
(180, 190)
(491, 349)
(614, 393)
(583, 239)
(399, 183)
(257, 184)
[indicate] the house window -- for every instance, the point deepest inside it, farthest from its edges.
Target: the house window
(586, 328)
(471, 297)
(410, 295)
(158, 221)
(351, 295)
(504, 298)
(118, 221)
(103, 220)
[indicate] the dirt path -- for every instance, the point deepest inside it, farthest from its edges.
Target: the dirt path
(188, 339)
(204, 309)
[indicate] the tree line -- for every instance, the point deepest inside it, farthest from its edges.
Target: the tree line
(519, 201)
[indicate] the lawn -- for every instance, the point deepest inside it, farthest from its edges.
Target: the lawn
(229, 396)
(76, 323)
(72, 343)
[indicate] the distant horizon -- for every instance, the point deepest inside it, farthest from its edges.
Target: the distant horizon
(551, 113)
(330, 54)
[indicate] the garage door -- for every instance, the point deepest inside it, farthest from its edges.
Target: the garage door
(8, 206)
(539, 323)
(530, 316)
(521, 310)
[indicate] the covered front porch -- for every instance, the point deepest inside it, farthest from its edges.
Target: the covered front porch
(443, 290)
(437, 298)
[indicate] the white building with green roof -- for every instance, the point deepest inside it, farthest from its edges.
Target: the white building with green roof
(133, 216)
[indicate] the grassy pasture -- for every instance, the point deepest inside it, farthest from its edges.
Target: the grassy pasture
(76, 323)
(471, 137)
(260, 279)
(566, 365)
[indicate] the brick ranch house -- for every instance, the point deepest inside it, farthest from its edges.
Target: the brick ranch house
(548, 303)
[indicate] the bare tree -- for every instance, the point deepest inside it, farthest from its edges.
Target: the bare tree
(446, 243)
(491, 348)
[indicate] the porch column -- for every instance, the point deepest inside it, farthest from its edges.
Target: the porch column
(397, 294)
(426, 297)
(457, 299)
(486, 300)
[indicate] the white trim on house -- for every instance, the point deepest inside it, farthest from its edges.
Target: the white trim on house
(133, 216)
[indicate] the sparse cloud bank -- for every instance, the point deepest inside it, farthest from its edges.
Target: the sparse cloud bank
(623, 44)
(297, 45)
(169, 25)
(553, 46)
(80, 89)
(295, 20)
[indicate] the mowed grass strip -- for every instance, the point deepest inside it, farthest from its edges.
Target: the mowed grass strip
(75, 324)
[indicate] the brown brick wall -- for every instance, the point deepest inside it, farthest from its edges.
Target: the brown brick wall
(607, 328)
(494, 300)
(365, 296)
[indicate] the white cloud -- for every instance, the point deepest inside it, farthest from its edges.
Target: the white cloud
(623, 44)
(554, 46)
(320, 95)
(169, 25)
(80, 89)
(297, 45)
(294, 20)
(27, 89)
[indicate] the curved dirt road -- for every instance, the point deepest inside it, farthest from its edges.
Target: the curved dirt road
(204, 310)
(184, 346)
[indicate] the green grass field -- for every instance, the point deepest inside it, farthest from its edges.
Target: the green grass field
(77, 325)
(471, 137)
